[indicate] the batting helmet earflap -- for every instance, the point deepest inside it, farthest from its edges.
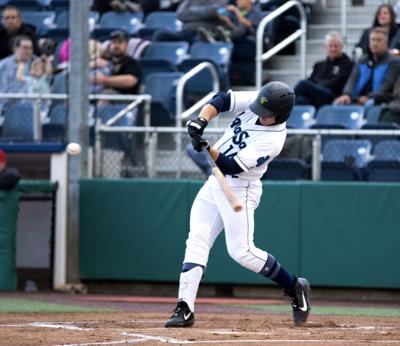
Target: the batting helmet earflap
(275, 99)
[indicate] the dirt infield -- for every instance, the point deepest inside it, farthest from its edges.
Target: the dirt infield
(140, 321)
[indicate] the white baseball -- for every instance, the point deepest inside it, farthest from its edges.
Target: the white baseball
(73, 149)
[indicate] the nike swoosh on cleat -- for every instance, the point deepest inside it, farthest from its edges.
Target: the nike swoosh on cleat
(304, 308)
(186, 316)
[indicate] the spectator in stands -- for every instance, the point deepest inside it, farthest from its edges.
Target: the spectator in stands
(374, 76)
(12, 27)
(391, 111)
(103, 6)
(328, 76)
(136, 47)
(125, 71)
(97, 64)
(193, 14)
(23, 53)
(37, 80)
(240, 20)
(9, 176)
(386, 19)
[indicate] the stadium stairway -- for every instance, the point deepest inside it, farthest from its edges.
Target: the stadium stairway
(323, 20)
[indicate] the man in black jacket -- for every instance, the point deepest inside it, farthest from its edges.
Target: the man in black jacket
(9, 176)
(328, 76)
(12, 27)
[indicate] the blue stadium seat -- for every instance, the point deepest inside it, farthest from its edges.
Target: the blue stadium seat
(163, 57)
(386, 165)
(130, 22)
(338, 116)
(55, 128)
(62, 21)
(26, 5)
(162, 86)
(372, 114)
(302, 117)
(219, 54)
(159, 20)
(388, 150)
(43, 21)
(345, 159)
(286, 169)
(58, 34)
(18, 121)
(59, 5)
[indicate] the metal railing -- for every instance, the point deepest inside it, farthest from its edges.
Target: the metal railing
(262, 57)
(180, 114)
(317, 134)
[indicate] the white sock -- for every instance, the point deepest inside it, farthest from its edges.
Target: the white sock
(188, 285)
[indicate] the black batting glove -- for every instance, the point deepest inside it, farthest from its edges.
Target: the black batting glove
(196, 127)
(199, 142)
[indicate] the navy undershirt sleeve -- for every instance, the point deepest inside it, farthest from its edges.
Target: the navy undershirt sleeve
(227, 165)
(221, 101)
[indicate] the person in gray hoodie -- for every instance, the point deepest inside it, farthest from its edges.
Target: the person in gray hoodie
(193, 14)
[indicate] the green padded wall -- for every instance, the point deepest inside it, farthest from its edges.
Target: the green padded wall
(351, 234)
(335, 234)
(136, 230)
(8, 225)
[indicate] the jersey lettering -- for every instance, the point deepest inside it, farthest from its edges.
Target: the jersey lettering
(240, 135)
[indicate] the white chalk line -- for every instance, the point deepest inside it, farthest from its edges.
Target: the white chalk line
(117, 342)
(143, 337)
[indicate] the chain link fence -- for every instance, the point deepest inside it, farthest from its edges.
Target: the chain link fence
(35, 235)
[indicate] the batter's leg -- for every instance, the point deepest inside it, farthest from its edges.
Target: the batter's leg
(205, 226)
(239, 234)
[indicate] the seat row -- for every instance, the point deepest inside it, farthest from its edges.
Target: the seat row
(55, 24)
(345, 160)
(337, 117)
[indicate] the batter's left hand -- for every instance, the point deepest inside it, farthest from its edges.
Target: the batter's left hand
(199, 142)
(196, 127)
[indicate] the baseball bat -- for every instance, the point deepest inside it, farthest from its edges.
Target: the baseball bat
(223, 183)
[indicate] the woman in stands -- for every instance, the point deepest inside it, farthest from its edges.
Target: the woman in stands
(385, 17)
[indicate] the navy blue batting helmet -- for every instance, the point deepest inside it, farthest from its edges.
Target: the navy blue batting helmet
(275, 99)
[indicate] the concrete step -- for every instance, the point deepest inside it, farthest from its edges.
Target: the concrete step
(365, 3)
(290, 77)
(291, 62)
(319, 31)
(333, 16)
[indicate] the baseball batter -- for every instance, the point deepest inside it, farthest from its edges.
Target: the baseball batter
(254, 138)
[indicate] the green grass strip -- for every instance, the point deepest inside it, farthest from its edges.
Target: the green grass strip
(332, 310)
(16, 305)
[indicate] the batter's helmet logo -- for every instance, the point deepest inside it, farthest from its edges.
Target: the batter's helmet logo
(263, 100)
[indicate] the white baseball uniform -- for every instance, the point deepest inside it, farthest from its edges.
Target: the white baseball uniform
(252, 146)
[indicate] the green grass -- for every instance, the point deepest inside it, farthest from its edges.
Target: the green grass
(17, 305)
(333, 310)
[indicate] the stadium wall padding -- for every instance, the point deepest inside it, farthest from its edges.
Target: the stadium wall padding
(9, 207)
(335, 234)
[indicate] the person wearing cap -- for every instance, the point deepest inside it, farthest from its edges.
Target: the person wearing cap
(125, 72)
(253, 139)
(9, 176)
